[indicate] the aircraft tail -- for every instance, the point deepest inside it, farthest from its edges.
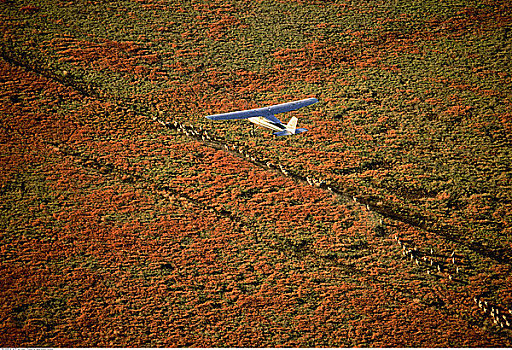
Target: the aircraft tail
(292, 125)
(291, 128)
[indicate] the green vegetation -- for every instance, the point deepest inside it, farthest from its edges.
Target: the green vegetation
(118, 231)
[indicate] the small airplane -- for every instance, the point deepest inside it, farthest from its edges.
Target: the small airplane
(265, 116)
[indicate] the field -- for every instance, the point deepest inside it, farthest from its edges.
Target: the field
(129, 219)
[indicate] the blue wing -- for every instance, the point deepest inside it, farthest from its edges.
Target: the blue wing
(259, 112)
(267, 112)
(291, 106)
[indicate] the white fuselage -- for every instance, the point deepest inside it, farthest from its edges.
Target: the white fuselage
(262, 121)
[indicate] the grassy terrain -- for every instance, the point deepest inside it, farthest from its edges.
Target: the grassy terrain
(119, 231)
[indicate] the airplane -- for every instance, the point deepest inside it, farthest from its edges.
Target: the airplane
(265, 116)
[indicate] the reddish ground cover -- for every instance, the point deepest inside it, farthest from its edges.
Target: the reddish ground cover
(118, 231)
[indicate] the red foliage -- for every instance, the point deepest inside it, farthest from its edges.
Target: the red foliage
(120, 233)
